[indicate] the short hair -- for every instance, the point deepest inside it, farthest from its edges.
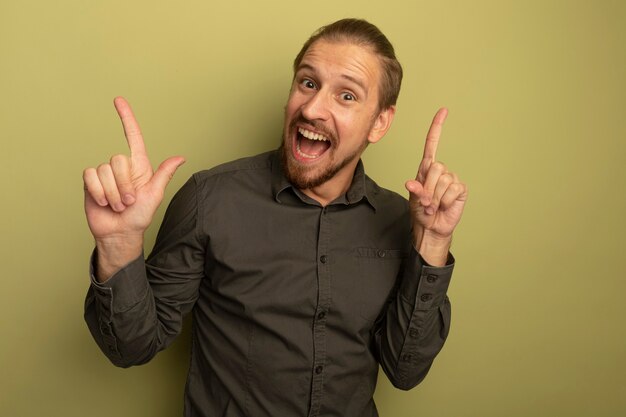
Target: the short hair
(363, 33)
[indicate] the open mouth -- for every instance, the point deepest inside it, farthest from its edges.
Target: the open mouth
(310, 145)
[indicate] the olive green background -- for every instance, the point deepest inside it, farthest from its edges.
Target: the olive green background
(537, 128)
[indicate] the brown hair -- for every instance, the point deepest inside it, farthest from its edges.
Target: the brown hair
(363, 33)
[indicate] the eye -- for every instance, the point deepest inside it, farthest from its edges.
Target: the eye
(347, 97)
(306, 83)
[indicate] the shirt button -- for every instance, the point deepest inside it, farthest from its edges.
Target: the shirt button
(319, 369)
(381, 253)
(431, 278)
(323, 259)
(406, 357)
(321, 315)
(426, 297)
(413, 333)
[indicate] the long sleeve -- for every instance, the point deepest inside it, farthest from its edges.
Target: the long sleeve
(416, 325)
(139, 310)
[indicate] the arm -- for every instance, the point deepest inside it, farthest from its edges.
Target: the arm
(139, 311)
(413, 330)
(417, 322)
(121, 198)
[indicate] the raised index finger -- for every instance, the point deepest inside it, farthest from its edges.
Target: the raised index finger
(432, 138)
(131, 127)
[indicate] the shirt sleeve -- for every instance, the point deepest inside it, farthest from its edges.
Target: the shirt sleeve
(417, 322)
(139, 310)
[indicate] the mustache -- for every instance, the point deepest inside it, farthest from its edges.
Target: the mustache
(315, 124)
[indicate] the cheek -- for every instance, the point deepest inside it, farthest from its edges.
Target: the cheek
(290, 101)
(350, 124)
(295, 101)
(289, 106)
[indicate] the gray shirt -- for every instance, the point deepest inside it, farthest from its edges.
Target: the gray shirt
(294, 305)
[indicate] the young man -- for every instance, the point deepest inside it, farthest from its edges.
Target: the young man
(302, 274)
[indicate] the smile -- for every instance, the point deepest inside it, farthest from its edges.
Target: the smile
(310, 145)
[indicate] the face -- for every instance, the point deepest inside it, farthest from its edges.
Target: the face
(332, 113)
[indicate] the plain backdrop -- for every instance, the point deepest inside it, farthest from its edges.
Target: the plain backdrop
(537, 128)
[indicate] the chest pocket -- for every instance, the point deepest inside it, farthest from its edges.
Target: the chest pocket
(379, 269)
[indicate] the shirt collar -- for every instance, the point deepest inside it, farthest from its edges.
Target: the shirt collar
(362, 187)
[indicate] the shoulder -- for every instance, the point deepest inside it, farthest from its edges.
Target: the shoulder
(236, 179)
(247, 165)
(384, 199)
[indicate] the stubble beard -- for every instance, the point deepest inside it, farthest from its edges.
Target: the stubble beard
(306, 177)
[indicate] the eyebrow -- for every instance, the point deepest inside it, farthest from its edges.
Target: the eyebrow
(346, 76)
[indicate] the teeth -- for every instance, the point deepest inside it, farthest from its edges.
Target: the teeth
(311, 135)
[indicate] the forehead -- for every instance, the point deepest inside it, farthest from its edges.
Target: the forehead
(343, 59)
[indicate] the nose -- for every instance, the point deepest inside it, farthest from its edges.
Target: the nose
(316, 107)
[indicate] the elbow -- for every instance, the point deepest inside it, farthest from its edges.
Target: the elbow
(120, 363)
(407, 376)
(127, 356)
(405, 385)
(126, 362)
(408, 382)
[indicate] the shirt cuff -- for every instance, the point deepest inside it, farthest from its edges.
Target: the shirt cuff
(122, 290)
(425, 286)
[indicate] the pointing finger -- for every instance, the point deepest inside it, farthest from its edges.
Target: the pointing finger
(131, 127)
(432, 138)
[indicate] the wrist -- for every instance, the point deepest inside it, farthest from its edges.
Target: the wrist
(433, 247)
(116, 252)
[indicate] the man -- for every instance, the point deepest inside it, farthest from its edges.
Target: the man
(302, 274)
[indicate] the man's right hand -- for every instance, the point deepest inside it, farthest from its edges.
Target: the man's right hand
(122, 196)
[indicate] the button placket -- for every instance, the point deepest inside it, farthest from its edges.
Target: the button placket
(323, 304)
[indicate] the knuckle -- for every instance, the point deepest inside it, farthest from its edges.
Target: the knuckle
(438, 166)
(447, 179)
(458, 188)
(118, 159)
(103, 168)
(88, 173)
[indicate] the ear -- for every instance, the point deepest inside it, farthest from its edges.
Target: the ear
(381, 124)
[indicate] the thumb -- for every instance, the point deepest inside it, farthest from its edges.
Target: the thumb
(415, 188)
(418, 192)
(165, 172)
